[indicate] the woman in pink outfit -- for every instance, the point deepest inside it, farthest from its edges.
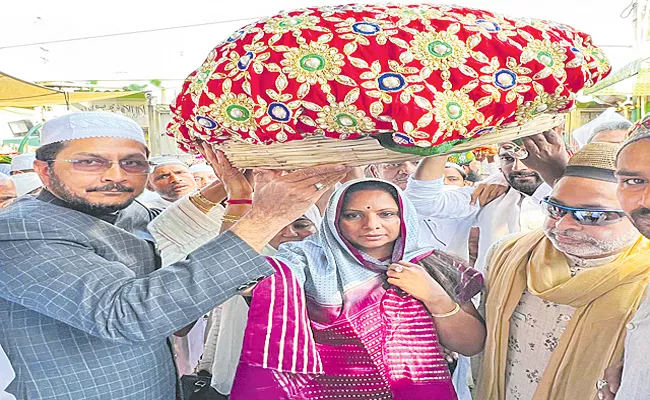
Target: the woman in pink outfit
(360, 309)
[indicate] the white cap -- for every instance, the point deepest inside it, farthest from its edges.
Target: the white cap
(201, 168)
(23, 162)
(4, 177)
(457, 168)
(94, 124)
(313, 214)
(585, 133)
(160, 161)
(26, 183)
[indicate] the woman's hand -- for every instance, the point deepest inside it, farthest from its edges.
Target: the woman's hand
(233, 178)
(416, 281)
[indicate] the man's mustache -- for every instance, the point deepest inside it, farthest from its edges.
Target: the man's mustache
(114, 187)
(571, 234)
(640, 213)
(523, 173)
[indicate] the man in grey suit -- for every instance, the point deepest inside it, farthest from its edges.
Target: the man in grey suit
(86, 309)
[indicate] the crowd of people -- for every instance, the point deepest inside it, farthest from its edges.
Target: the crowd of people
(521, 276)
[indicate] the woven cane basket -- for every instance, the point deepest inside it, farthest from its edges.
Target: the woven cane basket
(363, 151)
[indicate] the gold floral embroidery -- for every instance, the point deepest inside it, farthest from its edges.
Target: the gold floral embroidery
(312, 63)
(284, 24)
(440, 50)
(232, 111)
(344, 117)
(550, 54)
(454, 110)
(511, 79)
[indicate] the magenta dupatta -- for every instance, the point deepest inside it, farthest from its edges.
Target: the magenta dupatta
(326, 326)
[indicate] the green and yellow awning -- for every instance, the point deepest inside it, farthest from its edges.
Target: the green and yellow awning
(15, 92)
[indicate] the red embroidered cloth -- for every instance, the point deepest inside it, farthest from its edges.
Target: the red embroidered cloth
(430, 74)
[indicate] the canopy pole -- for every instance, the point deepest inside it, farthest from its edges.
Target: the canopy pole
(25, 141)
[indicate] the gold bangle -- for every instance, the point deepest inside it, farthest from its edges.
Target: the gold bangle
(202, 203)
(231, 219)
(197, 203)
(201, 197)
(449, 314)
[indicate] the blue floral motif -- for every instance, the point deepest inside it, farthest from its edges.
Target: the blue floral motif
(402, 139)
(505, 79)
(366, 28)
(245, 61)
(279, 112)
(236, 36)
(482, 131)
(206, 122)
(489, 26)
(391, 82)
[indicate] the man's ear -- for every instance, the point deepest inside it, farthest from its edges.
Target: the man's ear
(42, 168)
(374, 172)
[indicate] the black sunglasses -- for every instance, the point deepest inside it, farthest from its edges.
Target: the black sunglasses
(584, 216)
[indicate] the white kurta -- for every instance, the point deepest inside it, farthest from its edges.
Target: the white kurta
(635, 384)
(449, 216)
(6, 376)
(198, 230)
(513, 212)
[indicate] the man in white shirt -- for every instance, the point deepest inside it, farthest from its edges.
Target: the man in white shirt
(449, 216)
(203, 174)
(627, 379)
(171, 179)
(7, 375)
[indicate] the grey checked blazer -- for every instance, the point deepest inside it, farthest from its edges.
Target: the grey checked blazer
(85, 310)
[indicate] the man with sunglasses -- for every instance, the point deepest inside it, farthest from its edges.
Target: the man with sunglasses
(628, 378)
(559, 297)
(86, 308)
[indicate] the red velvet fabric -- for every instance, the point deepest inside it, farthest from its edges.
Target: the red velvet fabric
(432, 74)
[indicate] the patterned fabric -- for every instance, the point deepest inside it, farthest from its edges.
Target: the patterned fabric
(462, 158)
(433, 74)
(640, 130)
(86, 312)
(345, 335)
(605, 297)
(536, 327)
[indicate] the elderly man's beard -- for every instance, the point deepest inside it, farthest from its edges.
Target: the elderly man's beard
(58, 188)
(589, 247)
(641, 220)
(526, 186)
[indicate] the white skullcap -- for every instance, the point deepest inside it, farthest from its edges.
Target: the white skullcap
(457, 168)
(26, 183)
(4, 177)
(22, 162)
(201, 168)
(585, 133)
(313, 214)
(160, 161)
(94, 124)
